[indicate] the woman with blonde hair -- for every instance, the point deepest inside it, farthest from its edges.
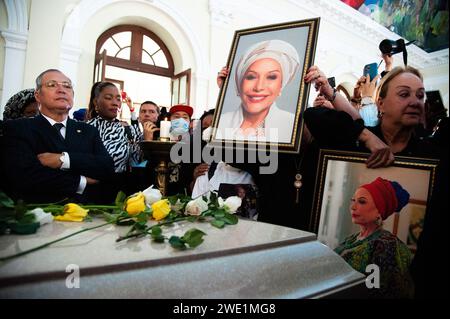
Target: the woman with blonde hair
(400, 99)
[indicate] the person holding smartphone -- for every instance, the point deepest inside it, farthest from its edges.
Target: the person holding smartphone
(368, 109)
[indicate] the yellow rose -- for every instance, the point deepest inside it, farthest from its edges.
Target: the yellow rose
(72, 213)
(161, 209)
(135, 204)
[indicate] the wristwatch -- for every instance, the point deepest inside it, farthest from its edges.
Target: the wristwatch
(62, 158)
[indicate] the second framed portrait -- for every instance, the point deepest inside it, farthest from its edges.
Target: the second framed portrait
(340, 206)
(264, 95)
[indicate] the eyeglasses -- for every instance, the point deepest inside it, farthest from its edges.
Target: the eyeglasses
(53, 84)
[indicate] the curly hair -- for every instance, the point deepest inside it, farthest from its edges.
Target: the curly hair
(17, 103)
(96, 89)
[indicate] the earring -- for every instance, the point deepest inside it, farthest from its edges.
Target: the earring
(378, 221)
(380, 114)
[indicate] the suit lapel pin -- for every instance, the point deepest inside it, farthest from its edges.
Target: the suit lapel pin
(78, 131)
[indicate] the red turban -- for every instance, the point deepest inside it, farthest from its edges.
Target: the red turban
(182, 108)
(387, 196)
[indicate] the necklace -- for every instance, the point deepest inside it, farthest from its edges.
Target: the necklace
(360, 237)
(298, 177)
(260, 129)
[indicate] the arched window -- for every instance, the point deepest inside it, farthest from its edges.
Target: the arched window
(135, 48)
(140, 63)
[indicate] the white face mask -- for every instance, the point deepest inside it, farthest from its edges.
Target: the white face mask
(369, 114)
(179, 126)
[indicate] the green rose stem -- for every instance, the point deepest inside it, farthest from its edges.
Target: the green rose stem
(147, 230)
(55, 241)
(98, 206)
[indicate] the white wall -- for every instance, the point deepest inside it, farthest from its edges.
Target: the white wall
(199, 34)
(186, 40)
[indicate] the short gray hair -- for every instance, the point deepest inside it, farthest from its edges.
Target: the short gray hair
(40, 76)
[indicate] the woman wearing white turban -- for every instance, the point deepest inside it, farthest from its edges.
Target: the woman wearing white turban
(261, 74)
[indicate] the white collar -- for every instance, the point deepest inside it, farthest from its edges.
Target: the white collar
(52, 121)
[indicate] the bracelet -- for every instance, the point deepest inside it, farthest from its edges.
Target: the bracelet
(333, 97)
(366, 100)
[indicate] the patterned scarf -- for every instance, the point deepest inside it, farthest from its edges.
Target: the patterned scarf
(16, 104)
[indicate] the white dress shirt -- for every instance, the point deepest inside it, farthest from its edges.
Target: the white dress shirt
(66, 164)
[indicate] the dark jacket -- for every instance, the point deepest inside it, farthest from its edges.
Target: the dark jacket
(337, 130)
(28, 179)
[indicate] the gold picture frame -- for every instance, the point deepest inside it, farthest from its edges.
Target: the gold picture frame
(243, 102)
(340, 173)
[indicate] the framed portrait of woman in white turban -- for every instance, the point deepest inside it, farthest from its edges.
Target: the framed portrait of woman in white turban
(264, 95)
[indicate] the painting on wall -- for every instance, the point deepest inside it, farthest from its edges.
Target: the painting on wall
(425, 21)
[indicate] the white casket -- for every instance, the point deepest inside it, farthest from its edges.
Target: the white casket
(247, 260)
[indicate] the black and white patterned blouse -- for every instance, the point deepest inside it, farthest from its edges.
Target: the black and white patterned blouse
(124, 150)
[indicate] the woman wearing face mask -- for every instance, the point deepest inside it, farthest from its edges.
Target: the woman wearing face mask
(261, 74)
(120, 140)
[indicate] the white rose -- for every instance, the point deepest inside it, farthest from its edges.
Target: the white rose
(233, 203)
(220, 201)
(206, 135)
(196, 207)
(152, 195)
(42, 217)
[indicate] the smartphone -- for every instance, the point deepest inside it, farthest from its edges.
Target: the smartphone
(371, 70)
(434, 99)
(332, 82)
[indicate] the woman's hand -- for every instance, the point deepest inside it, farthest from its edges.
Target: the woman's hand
(381, 154)
(388, 61)
(149, 129)
(200, 170)
(129, 103)
(314, 75)
(322, 101)
(357, 88)
(368, 87)
(222, 75)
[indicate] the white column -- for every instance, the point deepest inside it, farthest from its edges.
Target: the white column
(200, 100)
(69, 58)
(14, 70)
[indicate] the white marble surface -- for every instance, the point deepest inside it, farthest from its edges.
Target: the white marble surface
(247, 260)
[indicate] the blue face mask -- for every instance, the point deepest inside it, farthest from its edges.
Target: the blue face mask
(369, 114)
(179, 126)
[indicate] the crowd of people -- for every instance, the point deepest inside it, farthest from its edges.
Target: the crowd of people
(48, 156)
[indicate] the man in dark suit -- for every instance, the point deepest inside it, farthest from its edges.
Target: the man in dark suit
(51, 157)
